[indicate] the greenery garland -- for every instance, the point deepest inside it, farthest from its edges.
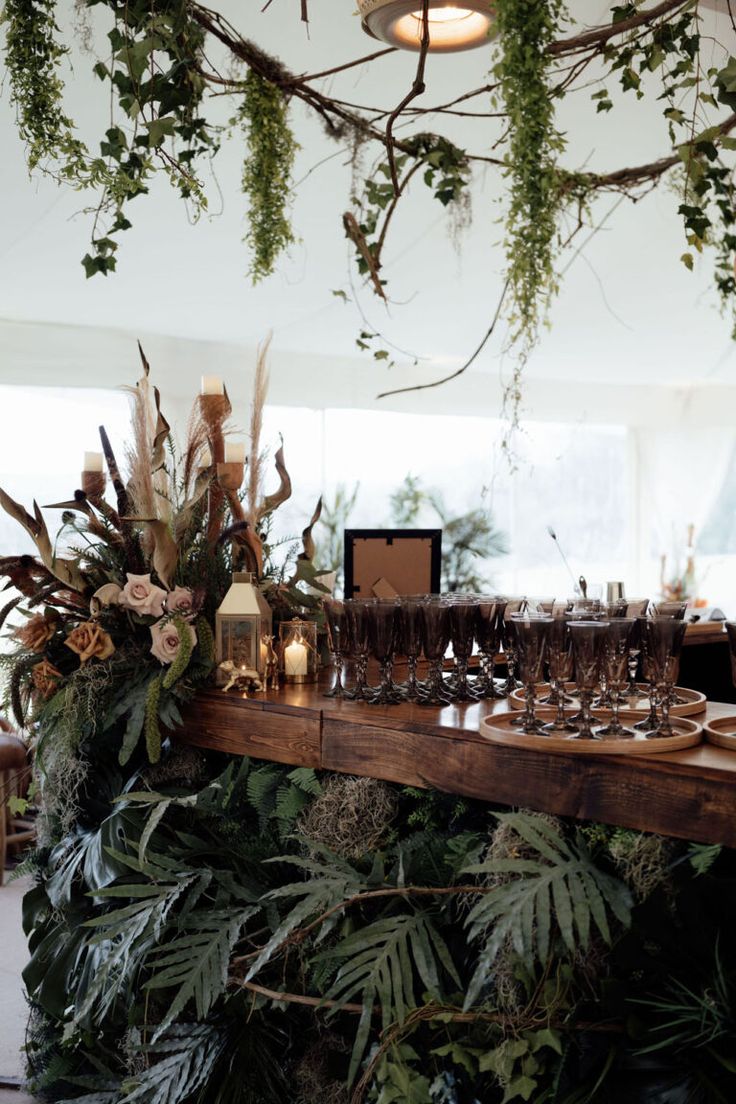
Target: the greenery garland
(267, 171)
(33, 56)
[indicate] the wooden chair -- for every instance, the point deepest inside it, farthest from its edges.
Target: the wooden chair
(13, 760)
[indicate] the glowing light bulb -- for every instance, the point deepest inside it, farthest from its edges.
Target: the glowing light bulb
(451, 26)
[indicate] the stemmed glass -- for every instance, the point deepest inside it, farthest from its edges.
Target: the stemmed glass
(435, 622)
(357, 611)
(531, 631)
(651, 720)
(665, 636)
(560, 662)
(488, 636)
(508, 639)
(411, 626)
(383, 633)
(615, 662)
(462, 636)
(337, 632)
(636, 608)
(587, 644)
(669, 609)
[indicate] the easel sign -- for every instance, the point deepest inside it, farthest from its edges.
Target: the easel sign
(381, 563)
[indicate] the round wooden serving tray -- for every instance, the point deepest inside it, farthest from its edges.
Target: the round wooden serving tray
(721, 731)
(498, 729)
(694, 702)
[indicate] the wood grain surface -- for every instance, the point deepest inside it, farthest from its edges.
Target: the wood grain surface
(690, 794)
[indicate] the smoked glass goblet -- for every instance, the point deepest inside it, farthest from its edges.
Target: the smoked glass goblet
(357, 611)
(561, 667)
(462, 636)
(488, 636)
(411, 637)
(615, 664)
(636, 608)
(587, 646)
(508, 640)
(531, 631)
(383, 633)
(665, 636)
(435, 640)
(669, 609)
(337, 632)
(650, 722)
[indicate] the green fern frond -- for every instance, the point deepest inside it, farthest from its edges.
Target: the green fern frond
(306, 779)
(561, 889)
(382, 964)
(195, 964)
(187, 1056)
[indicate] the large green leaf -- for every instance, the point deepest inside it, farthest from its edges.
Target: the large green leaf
(196, 963)
(186, 1059)
(561, 889)
(382, 963)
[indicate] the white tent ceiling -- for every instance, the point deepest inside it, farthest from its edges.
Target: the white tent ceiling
(629, 313)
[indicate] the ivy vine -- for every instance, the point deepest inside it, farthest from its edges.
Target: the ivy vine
(267, 172)
(33, 57)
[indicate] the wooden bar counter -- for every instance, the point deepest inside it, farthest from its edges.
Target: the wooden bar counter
(690, 794)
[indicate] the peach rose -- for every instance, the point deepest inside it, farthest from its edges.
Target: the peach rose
(141, 596)
(165, 646)
(45, 678)
(36, 633)
(181, 600)
(89, 641)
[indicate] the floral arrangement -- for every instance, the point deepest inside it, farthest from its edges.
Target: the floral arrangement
(118, 613)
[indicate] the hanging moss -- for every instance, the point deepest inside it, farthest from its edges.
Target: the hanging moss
(266, 172)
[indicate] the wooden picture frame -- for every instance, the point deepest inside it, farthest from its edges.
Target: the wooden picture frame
(396, 561)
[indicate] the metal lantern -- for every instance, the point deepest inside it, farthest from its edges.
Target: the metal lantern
(453, 24)
(298, 656)
(243, 626)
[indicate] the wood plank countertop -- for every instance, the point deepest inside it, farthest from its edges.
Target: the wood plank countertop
(689, 794)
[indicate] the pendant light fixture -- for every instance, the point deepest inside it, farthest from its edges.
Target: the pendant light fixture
(452, 26)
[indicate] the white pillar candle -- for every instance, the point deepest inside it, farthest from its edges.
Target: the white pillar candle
(92, 462)
(295, 659)
(212, 385)
(235, 452)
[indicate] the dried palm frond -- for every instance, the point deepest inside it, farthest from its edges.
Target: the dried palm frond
(194, 452)
(273, 501)
(256, 459)
(65, 570)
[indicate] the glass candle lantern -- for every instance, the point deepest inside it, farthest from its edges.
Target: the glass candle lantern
(298, 654)
(243, 625)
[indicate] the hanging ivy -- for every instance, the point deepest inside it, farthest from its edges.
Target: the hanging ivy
(267, 172)
(33, 57)
(526, 28)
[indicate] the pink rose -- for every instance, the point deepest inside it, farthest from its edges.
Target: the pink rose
(180, 600)
(141, 596)
(165, 646)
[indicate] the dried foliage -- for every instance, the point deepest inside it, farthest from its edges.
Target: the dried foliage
(351, 816)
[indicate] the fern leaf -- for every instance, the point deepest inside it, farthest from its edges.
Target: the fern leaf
(188, 1055)
(520, 908)
(328, 886)
(306, 779)
(382, 960)
(196, 963)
